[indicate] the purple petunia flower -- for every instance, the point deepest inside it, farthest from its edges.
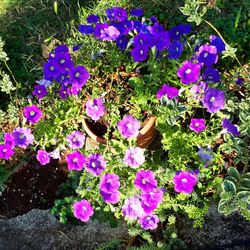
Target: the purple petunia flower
(197, 125)
(129, 127)
(75, 89)
(95, 164)
(23, 137)
(95, 109)
(109, 183)
(9, 140)
(32, 114)
(205, 154)
(92, 19)
(149, 222)
(142, 40)
(239, 81)
(113, 197)
(83, 210)
(207, 55)
(124, 27)
(145, 180)
(77, 47)
(189, 72)
(156, 28)
(139, 53)
(75, 140)
(64, 92)
(40, 91)
(171, 92)
(178, 31)
(122, 42)
(232, 129)
(132, 208)
(175, 49)
(199, 89)
(109, 33)
(137, 12)
(61, 49)
(161, 40)
(76, 161)
(218, 43)
(64, 63)
(6, 151)
(116, 13)
(211, 75)
(78, 76)
(134, 157)
(214, 100)
(50, 70)
(151, 200)
(184, 182)
(43, 157)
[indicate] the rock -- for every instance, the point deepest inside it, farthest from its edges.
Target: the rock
(218, 232)
(39, 230)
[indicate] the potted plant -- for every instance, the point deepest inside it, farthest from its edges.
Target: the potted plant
(126, 75)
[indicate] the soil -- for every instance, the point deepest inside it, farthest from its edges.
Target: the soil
(32, 186)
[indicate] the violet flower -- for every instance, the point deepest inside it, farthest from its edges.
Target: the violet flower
(139, 53)
(214, 100)
(23, 137)
(184, 182)
(83, 210)
(109, 33)
(207, 54)
(137, 12)
(189, 72)
(32, 114)
(132, 208)
(6, 151)
(145, 180)
(232, 129)
(175, 50)
(9, 140)
(197, 125)
(149, 222)
(76, 161)
(170, 91)
(113, 197)
(40, 91)
(151, 200)
(134, 157)
(109, 183)
(95, 109)
(78, 76)
(205, 154)
(75, 140)
(92, 19)
(129, 127)
(218, 43)
(43, 157)
(95, 164)
(211, 75)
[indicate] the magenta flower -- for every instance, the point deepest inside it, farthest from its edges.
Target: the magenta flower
(95, 164)
(76, 161)
(208, 55)
(64, 92)
(134, 157)
(23, 137)
(170, 92)
(129, 127)
(32, 114)
(197, 125)
(189, 72)
(117, 13)
(9, 140)
(184, 182)
(214, 100)
(95, 109)
(43, 157)
(40, 91)
(145, 180)
(149, 222)
(151, 200)
(132, 208)
(109, 33)
(75, 140)
(109, 183)
(6, 151)
(113, 197)
(199, 89)
(83, 210)
(232, 129)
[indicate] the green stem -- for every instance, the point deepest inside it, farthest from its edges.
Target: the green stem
(7, 66)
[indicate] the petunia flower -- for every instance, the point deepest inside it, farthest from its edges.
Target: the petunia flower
(145, 180)
(23, 137)
(218, 43)
(43, 157)
(95, 108)
(129, 127)
(132, 208)
(75, 140)
(214, 100)
(95, 164)
(40, 91)
(32, 114)
(232, 129)
(184, 182)
(149, 222)
(134, 157)
(6, 151)
(207, 55)
(76, 161)
(197, 125)
(169, 91)
(83, 210)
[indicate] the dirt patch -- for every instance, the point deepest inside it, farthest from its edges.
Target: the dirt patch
(33, 186)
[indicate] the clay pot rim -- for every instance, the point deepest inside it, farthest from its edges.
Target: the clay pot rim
(149, 123)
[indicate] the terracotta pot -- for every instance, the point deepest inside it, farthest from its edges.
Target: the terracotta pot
(144, 139)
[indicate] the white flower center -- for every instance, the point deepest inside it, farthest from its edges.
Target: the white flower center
(129, 125)
(196, 124)
(77, 74)
(51, 68)
(212, 99)
(84, 208)
(141, 52)
(188, 71)
(143, 181)
(21, 136)
(4, 150)
(39, 91)
(75, 159)
(62, 61)
(93, 164)
(205, 55)
(32, 113)
(74, 139)
(184, 180)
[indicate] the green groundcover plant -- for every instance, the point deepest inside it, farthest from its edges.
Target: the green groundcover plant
(120, 69)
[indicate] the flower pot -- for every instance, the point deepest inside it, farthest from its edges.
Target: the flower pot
(146, 135)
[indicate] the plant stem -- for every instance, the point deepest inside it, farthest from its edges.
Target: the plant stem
(7, 66)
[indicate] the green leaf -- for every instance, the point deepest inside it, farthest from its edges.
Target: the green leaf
(56, 7)
(229, 186)
(237, 19)
(245, 183)
(230, 178)
(244, 195)
(233, 172)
